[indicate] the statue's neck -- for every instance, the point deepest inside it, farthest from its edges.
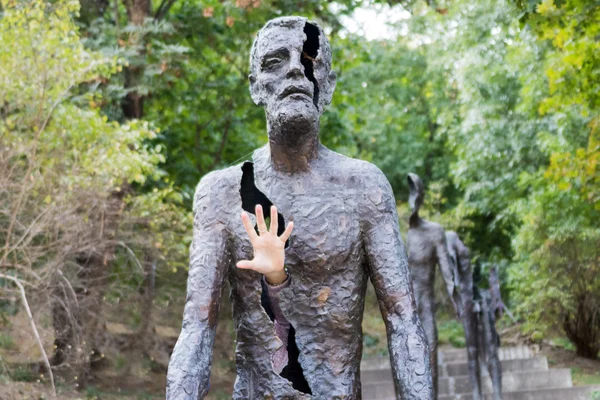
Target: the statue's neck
(294, 149)
(414, 220)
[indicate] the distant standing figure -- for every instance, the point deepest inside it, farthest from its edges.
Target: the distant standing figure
(459, 253)
(426, 248)
(489, 306)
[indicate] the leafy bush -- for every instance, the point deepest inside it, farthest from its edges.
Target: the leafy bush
(451, 332)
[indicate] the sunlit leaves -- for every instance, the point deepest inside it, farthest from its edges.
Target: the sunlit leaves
(61, 149)
(556, 275)
(578, 171)
(42, 58)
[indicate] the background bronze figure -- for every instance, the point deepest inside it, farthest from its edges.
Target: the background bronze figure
(489, 307)
(459, 253)
(426, 249)
(346, 231)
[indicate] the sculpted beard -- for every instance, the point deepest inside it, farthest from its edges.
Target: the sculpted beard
(294, 120)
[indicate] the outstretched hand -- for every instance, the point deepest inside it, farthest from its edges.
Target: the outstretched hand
(269, 254)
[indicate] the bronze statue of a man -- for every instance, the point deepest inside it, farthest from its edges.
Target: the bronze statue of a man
(427, 247)
(459, 253)
(346, 231)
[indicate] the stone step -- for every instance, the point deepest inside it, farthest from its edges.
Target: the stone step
(375, 364)
(514, 365)
(511, 382)
(572, 393)
(452, 355)
(379, 369)
(504, 353)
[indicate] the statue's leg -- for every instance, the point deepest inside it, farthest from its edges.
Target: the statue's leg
(427, 316)
(470, 327)
(491, 344)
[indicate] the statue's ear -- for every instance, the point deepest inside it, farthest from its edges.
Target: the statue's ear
(327, 92)
(255, 91)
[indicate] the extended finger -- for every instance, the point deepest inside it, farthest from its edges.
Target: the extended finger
(248, 226)
(288, 231)
(274, 222)
(260, 219)
(245, 264)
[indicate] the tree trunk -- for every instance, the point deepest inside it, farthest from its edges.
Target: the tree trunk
(133, 103)
(583, 329)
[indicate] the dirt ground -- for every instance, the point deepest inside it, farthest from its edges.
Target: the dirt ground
(127, 375)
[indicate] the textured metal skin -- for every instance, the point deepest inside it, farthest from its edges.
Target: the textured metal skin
(489, 342)
(346, 231)
(459, 253)
(427, 248)
(489, 302)
(496, 296)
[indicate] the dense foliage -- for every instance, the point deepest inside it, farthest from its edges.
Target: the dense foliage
(111, 112)
(557, 274)
(68, 197)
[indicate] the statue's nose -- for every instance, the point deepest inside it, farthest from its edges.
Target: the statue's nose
(295, 69)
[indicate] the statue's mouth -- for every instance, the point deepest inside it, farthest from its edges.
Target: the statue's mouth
(291, 90)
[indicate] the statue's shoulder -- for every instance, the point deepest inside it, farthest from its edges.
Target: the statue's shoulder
(452, 237)
(221, 178)
(454, 241)
(434, 228)
(217, 186)
(369, 173)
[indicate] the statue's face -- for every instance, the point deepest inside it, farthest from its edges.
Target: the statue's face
(416, 191)
(289, 76)
(282, 74)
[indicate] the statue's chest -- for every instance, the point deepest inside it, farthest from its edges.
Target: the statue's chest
(421, 247)
(326, 228)
(326, 232)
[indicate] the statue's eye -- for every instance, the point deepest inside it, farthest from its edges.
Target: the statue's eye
(271, 62)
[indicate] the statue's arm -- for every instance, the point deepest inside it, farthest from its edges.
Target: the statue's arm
(463, 258)
(189, 367)
(388, 269)
(449, 271)
(494, 283)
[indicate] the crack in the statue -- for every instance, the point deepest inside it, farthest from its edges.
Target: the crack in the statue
(251, 196)
(310, 50)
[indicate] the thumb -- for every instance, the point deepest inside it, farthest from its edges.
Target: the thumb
(245, 264)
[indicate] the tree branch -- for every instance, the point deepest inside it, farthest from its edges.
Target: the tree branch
(33, 327)
(163, 9)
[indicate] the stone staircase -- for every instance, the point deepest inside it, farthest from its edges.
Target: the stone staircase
(525, 376)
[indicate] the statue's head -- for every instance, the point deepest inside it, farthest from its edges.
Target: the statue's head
(290, 71)
(416, 192)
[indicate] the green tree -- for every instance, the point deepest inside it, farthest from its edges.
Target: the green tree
(64, 169)
(558, 252)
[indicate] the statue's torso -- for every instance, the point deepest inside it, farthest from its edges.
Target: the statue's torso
(422, 242)
(325, 300)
